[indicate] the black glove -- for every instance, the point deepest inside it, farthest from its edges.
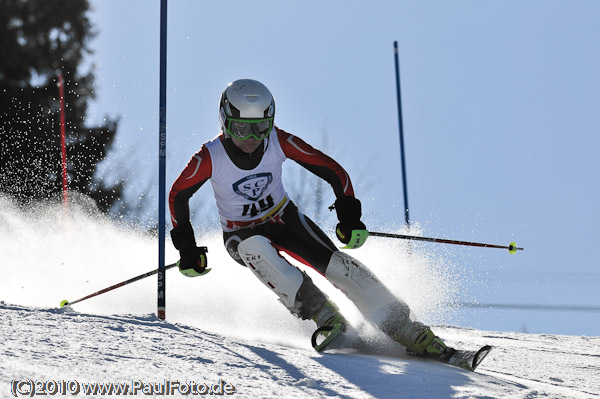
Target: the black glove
(348, 211)
(193, 259)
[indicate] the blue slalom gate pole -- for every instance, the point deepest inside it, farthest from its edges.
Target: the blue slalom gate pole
(162, 156)
(402, 159)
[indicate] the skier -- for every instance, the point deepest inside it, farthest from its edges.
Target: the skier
(259, 220)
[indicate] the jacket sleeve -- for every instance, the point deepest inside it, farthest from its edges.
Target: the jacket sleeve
(317, 162)
(193, 176)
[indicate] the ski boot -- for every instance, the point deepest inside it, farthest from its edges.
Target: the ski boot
(330, 323)
(420, 340)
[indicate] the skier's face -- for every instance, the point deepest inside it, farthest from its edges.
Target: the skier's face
(249, 145)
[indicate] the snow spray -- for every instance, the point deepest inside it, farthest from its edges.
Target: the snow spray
(48, 255)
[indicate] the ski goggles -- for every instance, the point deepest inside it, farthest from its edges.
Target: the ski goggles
(243, 129)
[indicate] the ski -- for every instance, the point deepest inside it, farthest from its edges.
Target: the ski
(331, 340)
(465, 359)
(468, 360)
(328, 334)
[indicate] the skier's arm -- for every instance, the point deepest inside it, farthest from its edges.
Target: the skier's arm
(193, 259)
(317, 162)
(193, 176)
(350, 230)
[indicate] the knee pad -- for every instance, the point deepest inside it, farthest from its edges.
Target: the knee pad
(271, 268)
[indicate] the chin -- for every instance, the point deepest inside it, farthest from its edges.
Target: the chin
(248, 147)
(250, 150)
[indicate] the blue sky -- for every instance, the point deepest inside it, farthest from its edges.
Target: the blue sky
(500, 104)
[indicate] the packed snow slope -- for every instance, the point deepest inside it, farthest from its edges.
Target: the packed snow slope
(227, 328)
(46, 344)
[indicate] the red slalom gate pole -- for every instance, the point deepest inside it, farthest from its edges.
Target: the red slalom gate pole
(63, 140)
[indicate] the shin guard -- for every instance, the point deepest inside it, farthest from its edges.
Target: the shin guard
(270, 268)
(294, 288)
(367, 292)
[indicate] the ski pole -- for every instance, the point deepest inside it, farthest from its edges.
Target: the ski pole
(512, 247)
(112, 287)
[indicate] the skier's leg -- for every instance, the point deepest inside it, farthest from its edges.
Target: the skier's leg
(303, 239)
(367, 292)
(378, 304)
(294, 288)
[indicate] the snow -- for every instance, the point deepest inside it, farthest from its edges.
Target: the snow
(52, 344)
(226, 328)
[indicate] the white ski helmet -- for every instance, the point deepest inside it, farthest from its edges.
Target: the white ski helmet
(246, 109)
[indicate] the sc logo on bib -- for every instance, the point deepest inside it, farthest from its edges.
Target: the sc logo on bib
(252, 187)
